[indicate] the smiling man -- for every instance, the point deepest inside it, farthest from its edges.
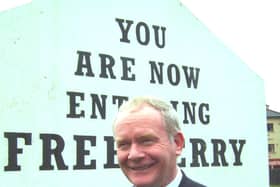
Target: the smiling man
(149, 140)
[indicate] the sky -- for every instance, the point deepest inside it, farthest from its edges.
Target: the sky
(250, 28)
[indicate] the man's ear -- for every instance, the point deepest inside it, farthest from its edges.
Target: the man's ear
(180, 142)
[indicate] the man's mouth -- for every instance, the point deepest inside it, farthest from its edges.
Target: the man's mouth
(142, 167)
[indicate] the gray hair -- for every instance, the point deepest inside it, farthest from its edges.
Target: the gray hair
(169, 115)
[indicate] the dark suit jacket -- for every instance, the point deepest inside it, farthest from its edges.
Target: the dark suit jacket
(187, 182)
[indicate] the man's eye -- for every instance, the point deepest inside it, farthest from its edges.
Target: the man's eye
(147, 142)
(123, 145)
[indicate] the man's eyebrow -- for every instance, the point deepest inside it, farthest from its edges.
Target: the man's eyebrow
(147, 136)
(117, 139)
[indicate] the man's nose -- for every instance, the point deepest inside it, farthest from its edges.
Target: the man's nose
(135, 152)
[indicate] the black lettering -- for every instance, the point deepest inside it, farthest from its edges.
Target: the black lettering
(237, 152)
(48, 151)
(156, 30)
(204, 119)
(74, 105)
(107, 67)
(219, 149)
(127, 69)
(84, 63)
(156, 72)
(101, 105)
(124, 29)
(81, 152)
(119, 100)
(111, 152)
(189, 111)
(182, 162)
(174, 104)
(191, 77)
(198, 151)
(146, 39)
(13, 149)
(172, 69)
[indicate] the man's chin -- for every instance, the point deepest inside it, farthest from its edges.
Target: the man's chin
(146, 180)
(143, 184)
(143, 177)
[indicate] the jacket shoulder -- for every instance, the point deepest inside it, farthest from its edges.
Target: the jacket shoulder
(187, 182)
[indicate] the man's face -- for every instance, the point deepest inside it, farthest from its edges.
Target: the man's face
(145, 153)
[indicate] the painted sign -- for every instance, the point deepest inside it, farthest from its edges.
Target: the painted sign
(66, 67)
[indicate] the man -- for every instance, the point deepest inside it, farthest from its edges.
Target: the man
(148, 140)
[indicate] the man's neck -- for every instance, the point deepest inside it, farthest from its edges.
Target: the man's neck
(175, 181)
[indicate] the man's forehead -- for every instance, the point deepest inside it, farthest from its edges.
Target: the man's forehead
(142, 135)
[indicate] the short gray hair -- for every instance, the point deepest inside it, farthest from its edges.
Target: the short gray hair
(167, 112)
